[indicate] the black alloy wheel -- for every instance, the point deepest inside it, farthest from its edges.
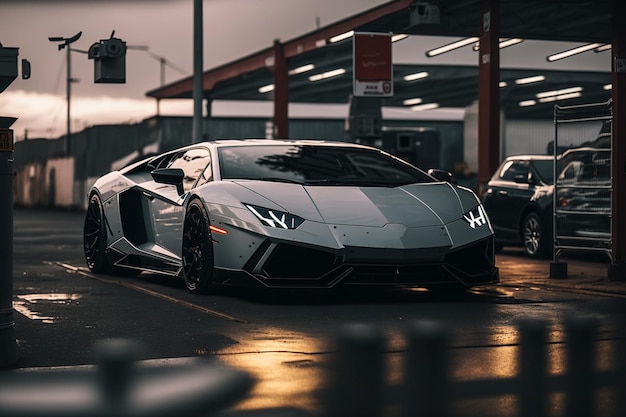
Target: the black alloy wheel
(534, 236)
(95, 237)
(197, 249)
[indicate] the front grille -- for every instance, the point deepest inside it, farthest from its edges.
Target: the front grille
(298, 266)
(290, 261)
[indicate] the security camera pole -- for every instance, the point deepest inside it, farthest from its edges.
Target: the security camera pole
(69, 80)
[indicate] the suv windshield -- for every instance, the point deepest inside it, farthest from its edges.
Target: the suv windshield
(317, 165)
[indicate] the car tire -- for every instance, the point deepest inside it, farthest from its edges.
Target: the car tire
(197, 250)
(95, 237)
(535, 237)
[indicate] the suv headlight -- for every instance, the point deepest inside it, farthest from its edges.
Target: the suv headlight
(275, 218)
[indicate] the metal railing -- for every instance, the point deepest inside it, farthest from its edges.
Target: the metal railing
(582, 182)
(355, 387)
(355, 382)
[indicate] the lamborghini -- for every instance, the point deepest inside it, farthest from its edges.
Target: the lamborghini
(262, 213)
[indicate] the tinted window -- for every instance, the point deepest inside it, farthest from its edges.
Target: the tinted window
(312, 164)
(192, 162)
(512, 169)
(545, 170)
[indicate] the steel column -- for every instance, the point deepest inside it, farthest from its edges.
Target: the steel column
(488, 93)
(618, 144)
(8, 347)
(281, 93)
(198, 92)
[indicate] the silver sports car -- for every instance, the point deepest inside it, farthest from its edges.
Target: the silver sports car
(287, 214)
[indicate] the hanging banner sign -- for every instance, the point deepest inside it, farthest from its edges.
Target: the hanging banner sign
(373, 67)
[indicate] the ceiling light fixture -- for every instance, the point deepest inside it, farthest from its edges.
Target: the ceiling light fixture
(530, 80)
(412, 101)
(415, 76)
(607, 87)
(553, 93)
(559, 97)
(399, 37)
(266, 88)
(427, 106)
(502, 84)
(301, 69)
(573, 51)
(527, 103)
(451, 46)
(341, 37)
(602, 48)
(504, 43)
(327, 74)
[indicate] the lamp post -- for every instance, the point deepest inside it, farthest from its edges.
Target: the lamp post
(66, 43)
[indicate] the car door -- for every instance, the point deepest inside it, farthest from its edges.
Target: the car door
(164, 202)
(507, 194)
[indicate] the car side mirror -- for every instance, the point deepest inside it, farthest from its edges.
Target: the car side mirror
(173, 176)
(440, 174)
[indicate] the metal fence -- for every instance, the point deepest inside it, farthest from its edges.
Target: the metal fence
(582, 179)
(355, 382)
(355, 386)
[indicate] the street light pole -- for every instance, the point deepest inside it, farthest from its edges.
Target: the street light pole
(68, 95)
(196, 133)
(68, 88)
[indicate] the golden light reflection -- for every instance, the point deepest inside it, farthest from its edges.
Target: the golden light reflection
(287, 366)
(25, 304)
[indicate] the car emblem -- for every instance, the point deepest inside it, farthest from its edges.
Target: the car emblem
(476, 221)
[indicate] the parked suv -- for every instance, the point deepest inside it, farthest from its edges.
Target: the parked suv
(519, 201)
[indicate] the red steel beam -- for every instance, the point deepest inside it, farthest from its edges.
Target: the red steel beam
(488, 93)
(258, 60)
(281, 93)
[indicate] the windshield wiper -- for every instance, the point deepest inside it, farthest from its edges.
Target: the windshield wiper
(279, 179)
(356, 182)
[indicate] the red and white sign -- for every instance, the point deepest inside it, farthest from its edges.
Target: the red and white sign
(373, 67)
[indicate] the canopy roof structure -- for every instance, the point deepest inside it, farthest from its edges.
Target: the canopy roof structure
(581, 21)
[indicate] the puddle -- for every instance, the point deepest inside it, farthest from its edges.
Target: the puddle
(25, 304)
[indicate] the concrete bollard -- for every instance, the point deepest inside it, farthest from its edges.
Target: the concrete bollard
(580, 366)
(356, 373)
(120, 387)
(533, 368)
(425, 391)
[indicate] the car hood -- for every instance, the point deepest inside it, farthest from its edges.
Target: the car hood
(415, 205)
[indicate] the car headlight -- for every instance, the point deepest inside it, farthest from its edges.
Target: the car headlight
(275, 218)
(476, 217)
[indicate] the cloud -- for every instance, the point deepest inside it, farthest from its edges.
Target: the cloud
(45, 115)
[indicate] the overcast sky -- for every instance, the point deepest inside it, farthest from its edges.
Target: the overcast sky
(232, 29)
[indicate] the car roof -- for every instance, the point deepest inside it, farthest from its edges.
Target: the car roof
(543, 157)
(529, 157)
(585, 150)
(269, 142)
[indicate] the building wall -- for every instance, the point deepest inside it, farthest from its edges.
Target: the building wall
(46, 177)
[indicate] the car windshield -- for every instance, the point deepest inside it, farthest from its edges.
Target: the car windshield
(545, 170)
(317, 165)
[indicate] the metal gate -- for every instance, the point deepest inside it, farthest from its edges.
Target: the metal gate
(582, 178)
